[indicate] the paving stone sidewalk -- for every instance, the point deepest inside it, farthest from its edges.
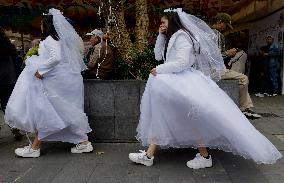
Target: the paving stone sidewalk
(109, 163)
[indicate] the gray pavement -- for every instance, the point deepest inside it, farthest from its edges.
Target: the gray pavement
(109, 163)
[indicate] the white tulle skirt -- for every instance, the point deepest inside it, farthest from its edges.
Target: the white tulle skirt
(188, 109)
(53, 106)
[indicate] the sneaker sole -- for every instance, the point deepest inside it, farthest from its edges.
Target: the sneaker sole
(26, 156)
(80, 152)
(254, 117)
(196, 168)
(140, 162)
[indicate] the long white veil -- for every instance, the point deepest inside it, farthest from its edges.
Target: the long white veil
(71, 43)
(209, 59)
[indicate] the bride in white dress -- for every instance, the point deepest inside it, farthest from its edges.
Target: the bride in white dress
(183, 107)
(48, 98)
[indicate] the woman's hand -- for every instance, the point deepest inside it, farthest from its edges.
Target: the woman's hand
(232, 52)
(154, 72)
(37, 75)
(162, 29)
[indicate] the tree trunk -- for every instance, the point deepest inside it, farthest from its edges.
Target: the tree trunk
(119, 34)
(142, 25)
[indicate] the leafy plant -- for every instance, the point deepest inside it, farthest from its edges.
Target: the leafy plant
(139, 67)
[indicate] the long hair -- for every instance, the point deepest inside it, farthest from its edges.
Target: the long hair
(48, 27)
(174, 25)
(6, 47)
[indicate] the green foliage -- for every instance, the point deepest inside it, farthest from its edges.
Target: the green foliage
(32, 51)
(140, 66)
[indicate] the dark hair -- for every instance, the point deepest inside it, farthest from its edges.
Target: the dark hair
(216, 20)
(6, 47)
(48, 27)
(174, 25)
(269, 36)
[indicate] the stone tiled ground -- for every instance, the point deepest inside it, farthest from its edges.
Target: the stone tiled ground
(109, 163)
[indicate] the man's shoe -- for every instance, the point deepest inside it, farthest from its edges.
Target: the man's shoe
(199, 162)
(251, 114)
(259, 95)
(267, 94)
(82, 148)
(141, 158)
(27, 152)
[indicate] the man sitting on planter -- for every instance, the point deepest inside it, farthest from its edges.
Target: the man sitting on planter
(101, 60)
(220, 23)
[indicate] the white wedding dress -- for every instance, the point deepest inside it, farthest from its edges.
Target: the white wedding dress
(53, 106)
(181, 107)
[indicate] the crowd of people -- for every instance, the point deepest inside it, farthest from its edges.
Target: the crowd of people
(182, 106)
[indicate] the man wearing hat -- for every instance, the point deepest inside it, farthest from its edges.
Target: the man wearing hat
(220, 23)
(95, 38)
(101, 60)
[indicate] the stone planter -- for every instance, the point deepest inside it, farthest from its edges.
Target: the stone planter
(113, 107)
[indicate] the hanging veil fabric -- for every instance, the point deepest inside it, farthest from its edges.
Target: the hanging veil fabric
(72, 44)
(208, 57)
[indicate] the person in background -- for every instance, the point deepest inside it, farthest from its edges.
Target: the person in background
(272, 61)
(219, 24)
(95, 39)
(101, 64)
(10, 68)
(263, 73)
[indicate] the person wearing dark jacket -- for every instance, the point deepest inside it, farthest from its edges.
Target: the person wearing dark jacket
(101, 64)
(10, 68)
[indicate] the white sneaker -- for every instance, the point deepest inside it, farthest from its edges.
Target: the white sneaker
(199, 162)
(267, 94)
(82, 148)
(259, 95)
(141, 158)
(27, 152)
(251, 114)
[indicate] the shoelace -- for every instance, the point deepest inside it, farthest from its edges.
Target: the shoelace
(27, 147)
(142, 154)
(30, 142)
(198, 156)
(78, 146)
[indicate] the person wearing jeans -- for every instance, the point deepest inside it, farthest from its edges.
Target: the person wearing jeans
(272, 60)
